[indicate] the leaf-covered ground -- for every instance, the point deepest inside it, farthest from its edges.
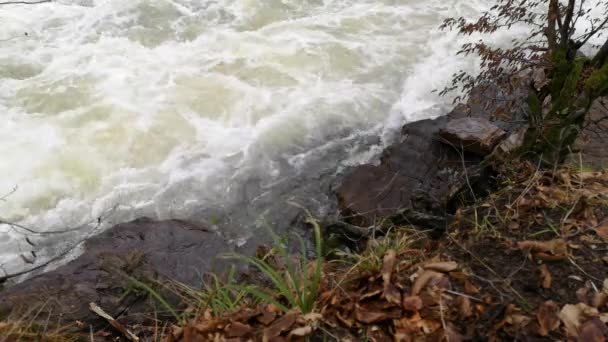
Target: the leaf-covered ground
(529, 262)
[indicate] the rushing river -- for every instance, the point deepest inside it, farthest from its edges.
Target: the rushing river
(176, 109)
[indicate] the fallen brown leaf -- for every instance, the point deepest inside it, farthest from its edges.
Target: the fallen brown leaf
(371, 294)
(557, 248)
(368, 316)
(513, 226)
(452, 334)
(412, 303)
(176, 333)
(555, 193)
(281, 325)
(469, 288)
(513, 319)
(600, 299)
(584, 294)
(409, 328)
(445, 266)
(387, 266)
(464, 307)
(593, 330)
(602, 230)
(573, 315)
(545, 276)
(587, 175)
(347, 322)
(237, 329)
(301, 332)
(422, 280)
(189, 333)
(272, 308)
(375, 334)
(209, 325)
(267, 316)
(312, 317)
(390, 292)
(547, 317)
(565, 178)
(550, 257)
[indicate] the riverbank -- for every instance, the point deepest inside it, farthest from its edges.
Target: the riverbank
(446, 236)
(525, 263)
(522, 255)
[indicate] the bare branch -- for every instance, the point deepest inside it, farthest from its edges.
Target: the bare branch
(58, 257)
(594, 32)
(25, 2)
(567, 25)
(98, 224)
(16, 226)
(5, 196)
(552, 19)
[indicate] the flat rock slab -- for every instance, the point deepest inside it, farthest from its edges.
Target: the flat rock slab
(476, 135)
(142, 249)
(414, 173)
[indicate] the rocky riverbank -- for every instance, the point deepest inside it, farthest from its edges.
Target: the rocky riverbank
(430, 179)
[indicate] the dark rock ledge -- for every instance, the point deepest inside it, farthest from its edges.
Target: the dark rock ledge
(141, 249)
(418, 176)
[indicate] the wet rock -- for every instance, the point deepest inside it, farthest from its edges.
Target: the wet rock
(146, 250)
(590, 146)
(414, 174)
(477, 135)
(507, 109)
(510, 144)
(418, 178)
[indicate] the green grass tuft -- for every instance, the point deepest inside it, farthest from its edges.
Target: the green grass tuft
(297, 285)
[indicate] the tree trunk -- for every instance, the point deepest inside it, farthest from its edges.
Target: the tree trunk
(567, 24)
(551, 27)
(551, 137)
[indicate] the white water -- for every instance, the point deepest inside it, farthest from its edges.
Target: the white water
(159, 106)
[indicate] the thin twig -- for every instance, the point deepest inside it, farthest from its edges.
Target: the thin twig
(15, 226)
(582, 270)
(24, 2)
(5, 196)
(6, 277)
(463, 295)
(445, 327)
(99, 311)
(65, 252)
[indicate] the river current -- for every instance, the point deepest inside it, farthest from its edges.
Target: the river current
(196, 109)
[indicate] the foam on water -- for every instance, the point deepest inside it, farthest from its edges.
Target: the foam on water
(161, 108)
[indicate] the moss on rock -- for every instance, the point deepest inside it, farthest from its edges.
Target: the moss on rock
(567, 94)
